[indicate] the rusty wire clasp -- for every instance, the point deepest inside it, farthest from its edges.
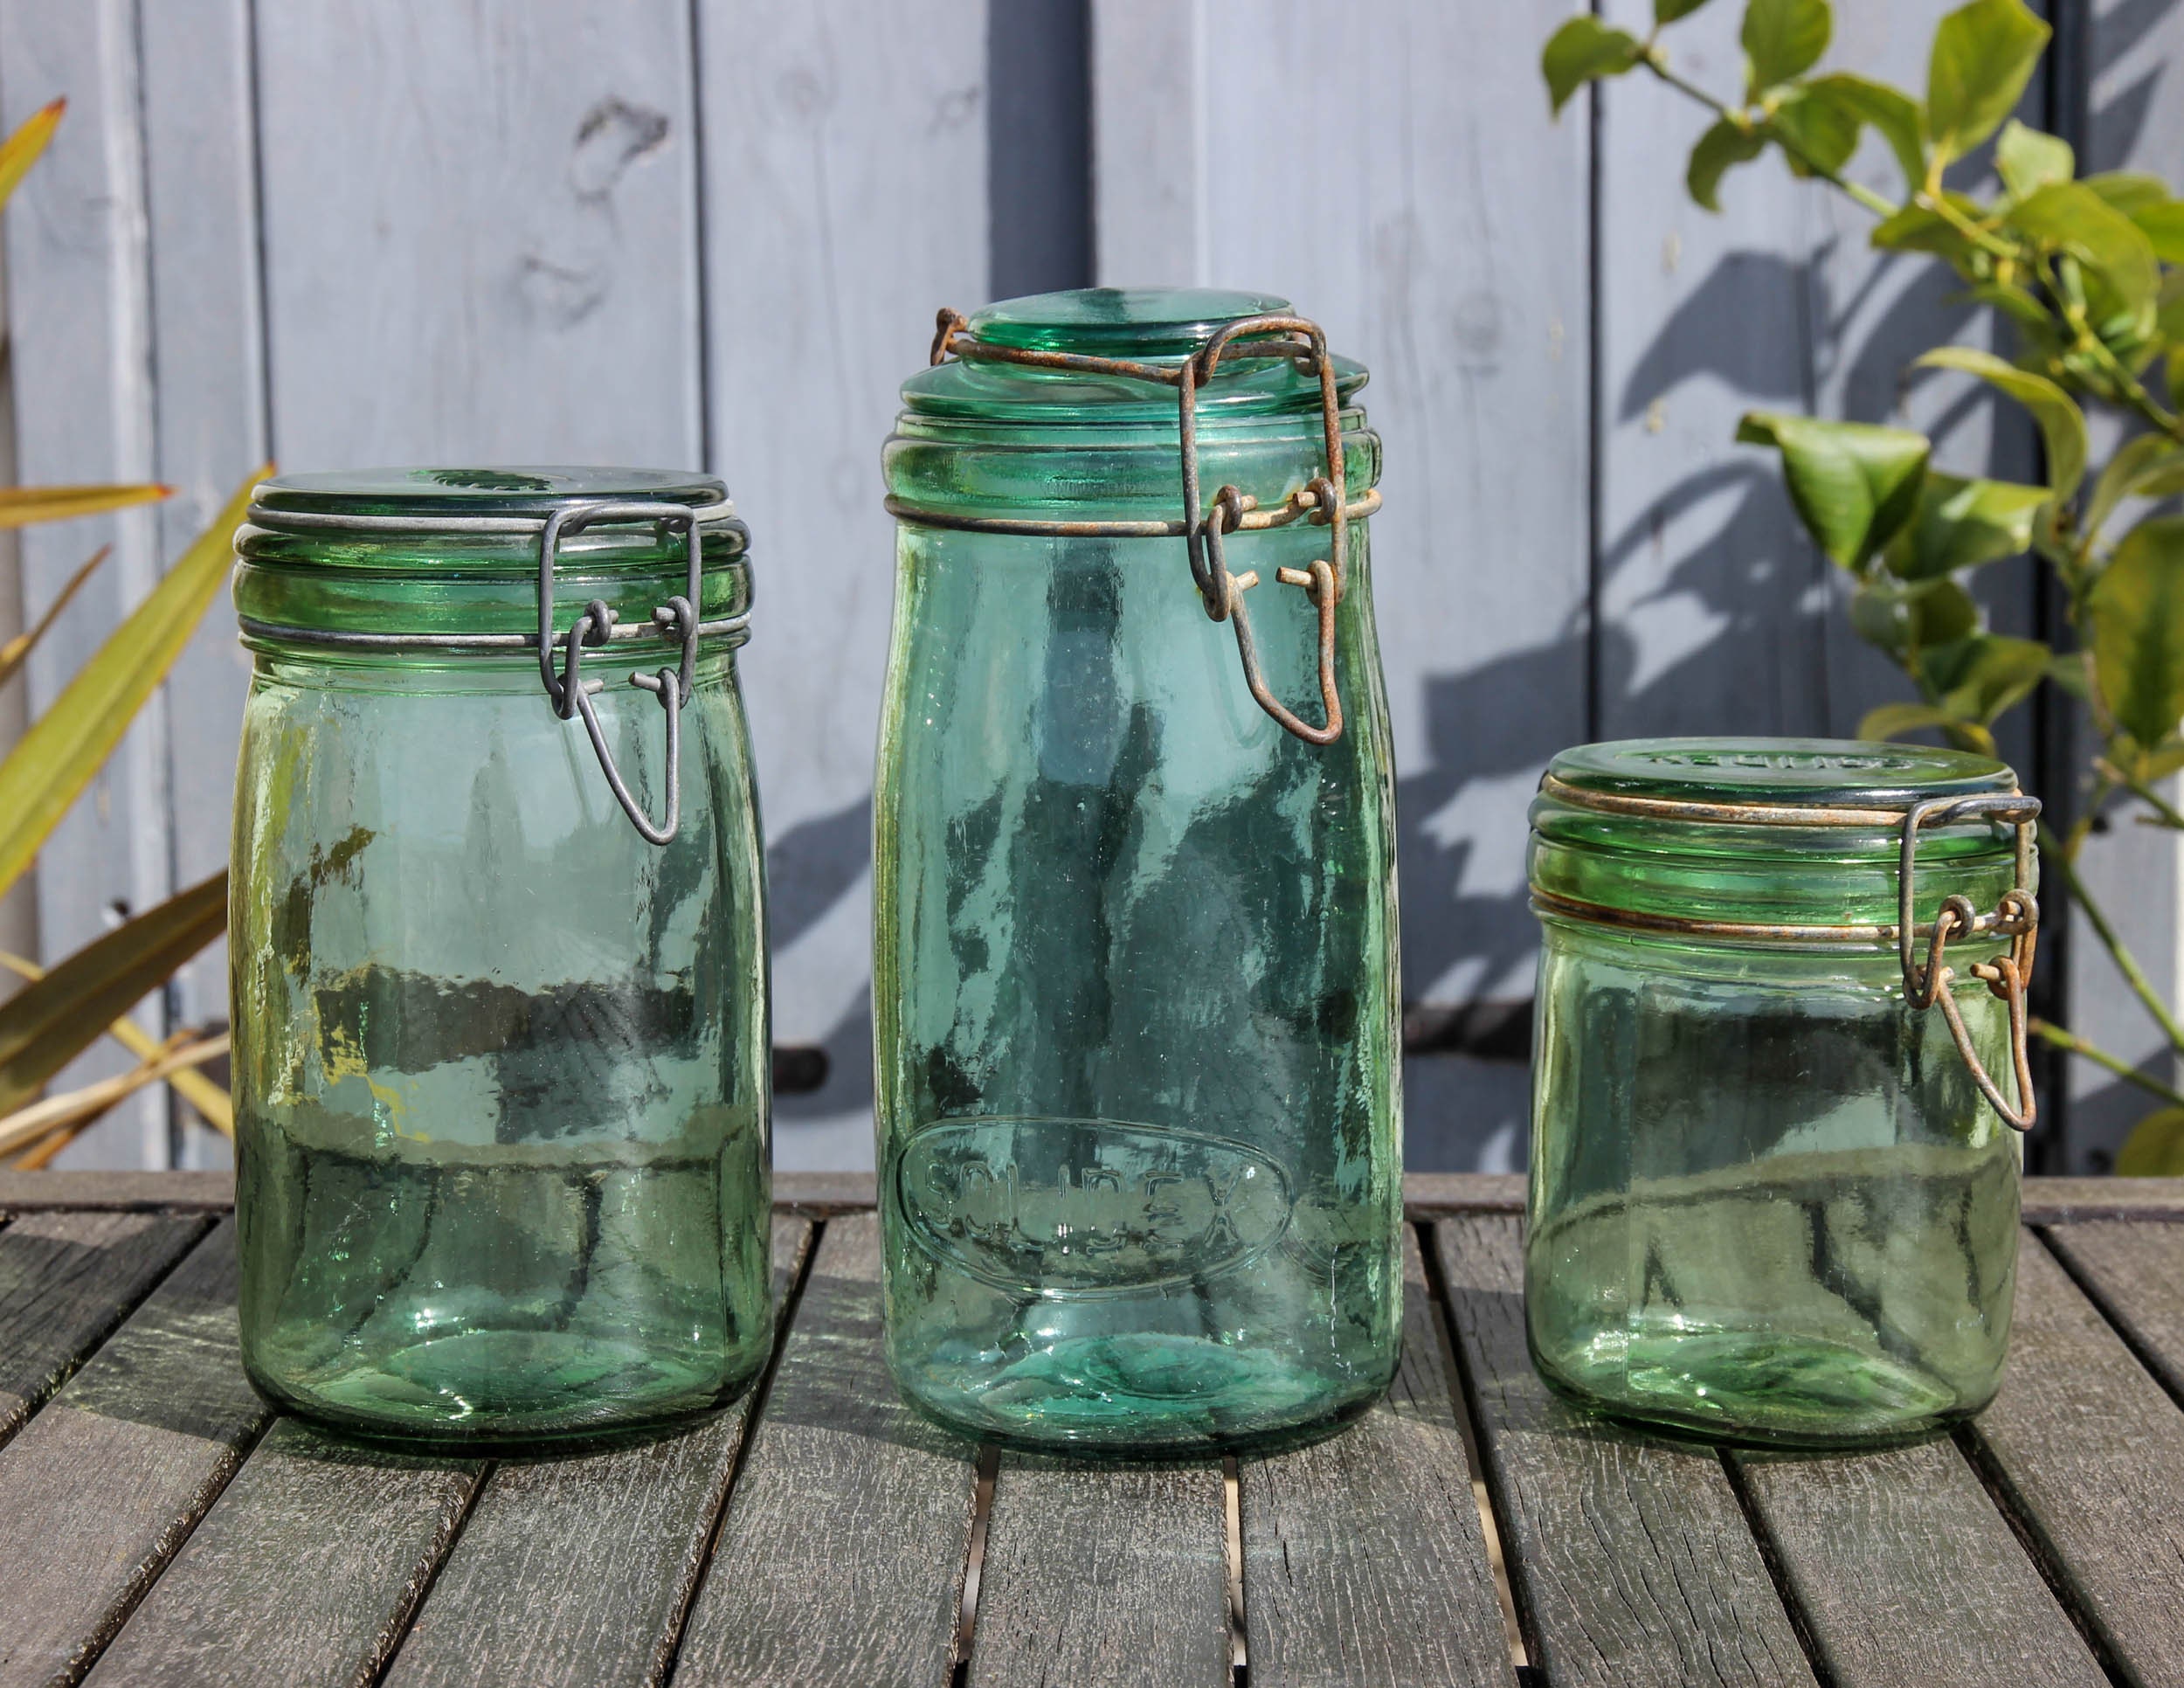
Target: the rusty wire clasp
(1323, 500)
(2018, 918)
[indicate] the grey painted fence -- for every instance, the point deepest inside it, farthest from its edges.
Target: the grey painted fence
(673, 231)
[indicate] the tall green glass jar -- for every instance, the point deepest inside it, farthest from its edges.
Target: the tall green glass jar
(1135, 975)
(1779, 1081)
(497, 933)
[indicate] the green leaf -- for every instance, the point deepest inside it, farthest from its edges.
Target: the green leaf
(1942, 612)
(2070, 217)
(1913, 228)
(2155, 1147)
(2163, 226)
(2067, 669)
(1894, 720)
(1581, 51)
(1853, 484)
(2150, 466)
(1962, 524)
(2137, 614)
(2017, 303)
(21, 150)
(1783, 39)
(2028, 160)
(2061, 424)
(1667, 11)
(55, 759)
(1817, 131)
(1723, 145)
(1980, 676)
(1891, 111)
(46, 1025)
(1983, 56)
(1881, 614)
(2129, 191)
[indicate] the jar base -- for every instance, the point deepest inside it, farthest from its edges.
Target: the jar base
(1144, 1396)
(1762, 1388)
(512, 1388)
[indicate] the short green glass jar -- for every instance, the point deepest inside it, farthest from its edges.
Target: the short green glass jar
(1135, 985)
(497, 932)
(1779, 1056)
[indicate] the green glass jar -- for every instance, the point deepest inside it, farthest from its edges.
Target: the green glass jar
(1778, 1059)
(497, 934)
(1135, 985)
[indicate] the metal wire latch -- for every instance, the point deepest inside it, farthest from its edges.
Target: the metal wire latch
(1324, 499)
(2017, 918)
(572, 693)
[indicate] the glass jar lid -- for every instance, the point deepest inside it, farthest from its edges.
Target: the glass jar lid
(449, 560)
(1159, 328)
(1789, 831)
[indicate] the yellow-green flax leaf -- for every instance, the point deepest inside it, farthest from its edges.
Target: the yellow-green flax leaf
(48, 1023)
(17, 651)
(55, 759)
(20, 150)
(20, 506)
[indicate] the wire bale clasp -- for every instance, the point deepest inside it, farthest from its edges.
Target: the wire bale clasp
(2017, 916)
(1323, 500)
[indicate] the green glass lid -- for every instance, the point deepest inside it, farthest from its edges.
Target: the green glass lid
(1144, 325)
(1832, 772)
(1134, 322)
(1715, 829)
(375, 558)
(481, 490)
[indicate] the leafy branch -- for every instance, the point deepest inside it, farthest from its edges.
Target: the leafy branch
(2090, 274)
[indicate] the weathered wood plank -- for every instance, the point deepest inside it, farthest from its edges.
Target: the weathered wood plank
(1109, 1573)
(842, 1554)
(101, 1488)
(1364, 1561)
(2133, 1270)
(66, 1280)
(1630, 1558)
(1902, 1570)
(1427, 1193)
(844, 202)
(305, 1571)
(2090, 1451)
(79, 345)
(2064, 1200)
(208, 398)
(580, 1570)
(116, 1192)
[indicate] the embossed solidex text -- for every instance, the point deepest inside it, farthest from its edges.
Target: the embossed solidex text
(1083, 1208)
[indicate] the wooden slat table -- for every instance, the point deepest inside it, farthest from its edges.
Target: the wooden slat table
(158, 1525)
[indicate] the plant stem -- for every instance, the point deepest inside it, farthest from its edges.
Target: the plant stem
(1937, 202)
(1654, 61)
(2116, 1064)
(2126, 964)
(2169, 815)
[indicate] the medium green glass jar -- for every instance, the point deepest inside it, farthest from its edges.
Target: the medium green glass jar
(1778, 1059)
(497, 939)
(1135, 984)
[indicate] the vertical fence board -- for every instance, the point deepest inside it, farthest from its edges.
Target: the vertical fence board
(209, 410)
(481, 240)
(80, 334)
(1403, 185)
(845, 164)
